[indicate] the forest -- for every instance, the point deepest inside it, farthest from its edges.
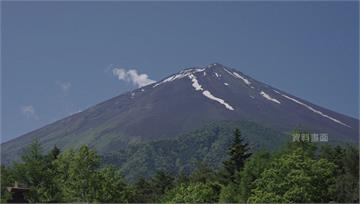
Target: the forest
(299, 172)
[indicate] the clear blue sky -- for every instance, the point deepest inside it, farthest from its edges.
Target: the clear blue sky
(57, 57)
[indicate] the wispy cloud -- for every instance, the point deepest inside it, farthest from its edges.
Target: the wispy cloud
(66, 105)
(29, 112)
(108, 68)
(64, 85)
(132, 76)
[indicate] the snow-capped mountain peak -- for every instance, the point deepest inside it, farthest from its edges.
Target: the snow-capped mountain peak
(185, 101)
(206, 79)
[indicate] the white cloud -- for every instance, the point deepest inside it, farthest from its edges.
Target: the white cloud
(65, 85)
(29, 112)
(133, 76)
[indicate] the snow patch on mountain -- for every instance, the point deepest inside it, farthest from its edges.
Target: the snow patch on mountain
(268, 97)
(192, 70)
(212, 97)
(226, 84)
(217, 75)
(242, 78)
(229, 72)
(206, 93)
(277, 92)
(236, 75)
(171, 78)
(314, 110)
(180, 75)
(195, 83)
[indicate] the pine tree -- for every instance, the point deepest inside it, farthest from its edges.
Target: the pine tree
(54, 153)
(238, 152)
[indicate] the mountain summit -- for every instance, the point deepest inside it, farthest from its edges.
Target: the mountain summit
(183, 102)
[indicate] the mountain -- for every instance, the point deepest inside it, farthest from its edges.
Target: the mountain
(181, 103)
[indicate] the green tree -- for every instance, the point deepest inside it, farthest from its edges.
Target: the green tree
(203, 173)
(111, 187)
(304, 142)
(252, 171)
(294, 177)
(194, 193)
(160, 183)
(54, 153)
(240, 191)
(7, 179)
(141, 192)
(239, 153)
(182, 178)
(36, 172)
(77, 174)
(229, 193)
(346, 186)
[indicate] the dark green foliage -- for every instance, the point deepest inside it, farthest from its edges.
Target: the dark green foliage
(77, 174)
(203, 174)
(182, 178)
(239, 153)
(37, 172)
(54, 153)
(241, 190)
(252, 171)
(71, 176)
(309, 148)
(141, 192)
(206, 145)
(294, 177)
(7, 180)
(346, 186)
(194, 193)
(81, 178)
(296, 173)
(160, 183)
(200, 187)
(111, 186)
